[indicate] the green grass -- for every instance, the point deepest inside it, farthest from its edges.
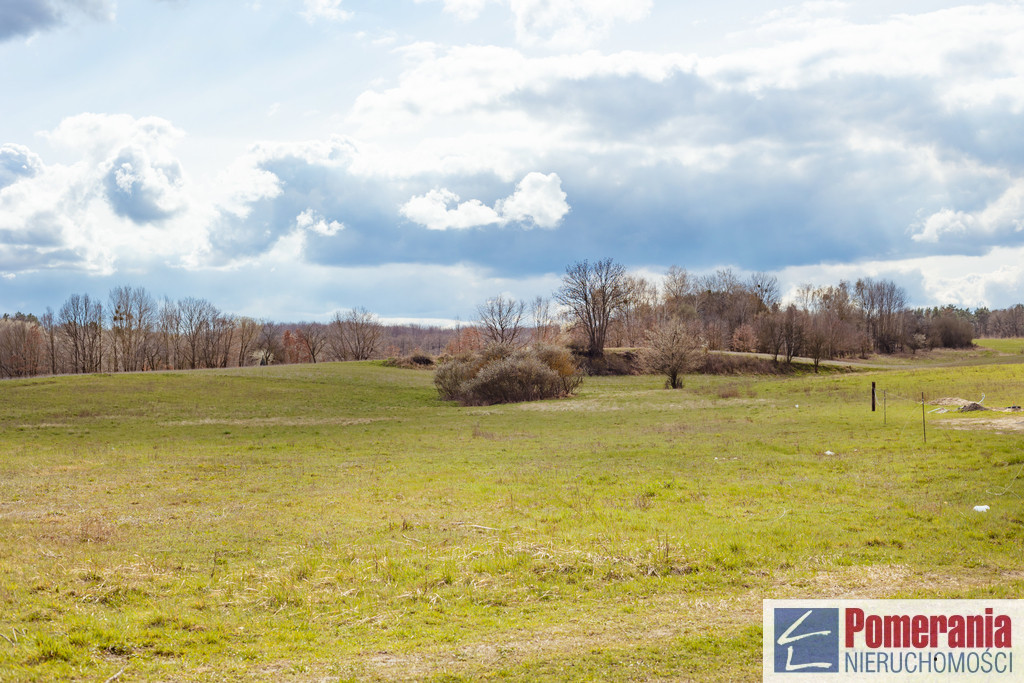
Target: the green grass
(338, 520)
(1013, 346)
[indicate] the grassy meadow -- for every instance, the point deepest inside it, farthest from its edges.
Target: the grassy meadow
(338, 521)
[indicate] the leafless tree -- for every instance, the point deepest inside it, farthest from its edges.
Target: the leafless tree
(54, 359)
(501, 319)
(216, 340)
(678, 294)
(22, 349)
(248, 329)
(269, 348)
(197, 318)
(593, 293)
(674, 348)
(792, 331)
(356, 334)
(545, 330)
(637, 313)
(169, 334)
(883, 303)
(313, 337)
(769, 330)
(765, 288)
(132, 320)
(80, 321)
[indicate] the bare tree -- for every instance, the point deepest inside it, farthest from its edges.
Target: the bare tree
(637, 313)
(792, 331)
(501, 319)
(593, 294)
(216, 340)
(248, 330)
(313, 338)
(22, 349)
(674, 348)
(50, 332)
(769, 330)
(197, 318)
(545, 330)
(81, 324)
(132, 320)
(883, 303)
(357, 334)
(765, 287)
(169, 334)
(269, 348)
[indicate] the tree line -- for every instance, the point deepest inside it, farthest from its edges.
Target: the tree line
(602, 305)
(133, 331)
(598, 304)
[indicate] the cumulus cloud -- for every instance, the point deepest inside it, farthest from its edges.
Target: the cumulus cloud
(435, 211)
(123, 196)
(538, 201)
(17, 162)
(325, 9)
(142, 188)
(312, 221)
(141, 178)
(1005, 214)
(26, 17)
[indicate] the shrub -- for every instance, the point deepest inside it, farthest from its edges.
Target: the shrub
(415, 361)
(674, 349)
(951, 332)
(502, 374)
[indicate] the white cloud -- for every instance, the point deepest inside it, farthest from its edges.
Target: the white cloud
(964, 51)
(432, 211)
(123, 196)
(538, 201)
(325, 9)
(1005, 214)
(17, 162)
(312, 221)
(557, 23)
(572, 23)
(466, 10)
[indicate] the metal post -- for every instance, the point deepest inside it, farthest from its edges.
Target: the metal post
(872, 397)
(924, 426)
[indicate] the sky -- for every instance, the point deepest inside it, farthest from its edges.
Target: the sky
(286, 159)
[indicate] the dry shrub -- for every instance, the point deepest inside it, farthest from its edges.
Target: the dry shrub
(413, 361)
(500, 373)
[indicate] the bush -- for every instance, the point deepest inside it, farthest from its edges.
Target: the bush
(415, 361)
(502, 374)
(674, 349)
(951, 332)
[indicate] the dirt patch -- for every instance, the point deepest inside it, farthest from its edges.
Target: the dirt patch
(951, 402)
(1002, 423)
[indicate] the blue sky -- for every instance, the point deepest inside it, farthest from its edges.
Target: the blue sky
(289, 158)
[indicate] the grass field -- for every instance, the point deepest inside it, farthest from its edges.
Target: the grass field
(338, 521)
